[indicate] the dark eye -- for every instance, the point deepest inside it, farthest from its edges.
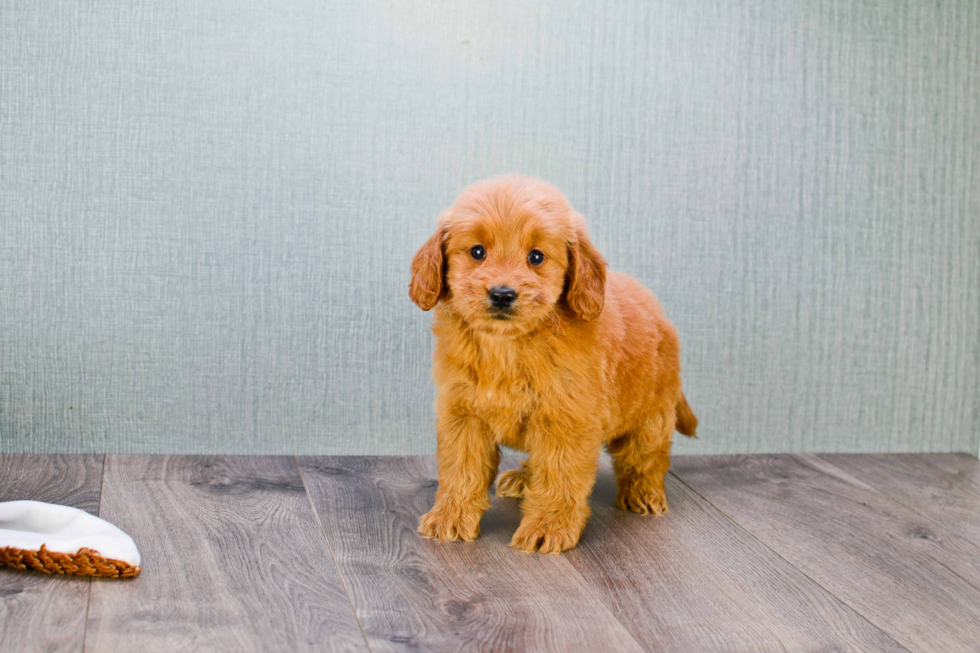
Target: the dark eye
(535, 257)
(478, 252)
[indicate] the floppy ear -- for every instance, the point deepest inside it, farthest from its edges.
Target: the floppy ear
(586, 277)
(428, 271)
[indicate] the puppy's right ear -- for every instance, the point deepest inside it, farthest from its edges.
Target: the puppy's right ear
(429, 271)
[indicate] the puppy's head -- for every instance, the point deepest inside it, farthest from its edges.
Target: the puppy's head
(507, 255)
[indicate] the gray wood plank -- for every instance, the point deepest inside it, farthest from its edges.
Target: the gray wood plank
(693, 580)
(40, 612)
(233, 560)
(911, 577)
(943, 487)
(416, 594)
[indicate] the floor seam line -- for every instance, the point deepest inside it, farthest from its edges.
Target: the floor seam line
(343, 581)
(595, 594)
(839, 599)
(98, 511)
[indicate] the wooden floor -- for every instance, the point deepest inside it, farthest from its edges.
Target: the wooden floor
(757, 553)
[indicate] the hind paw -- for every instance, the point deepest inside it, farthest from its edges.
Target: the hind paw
(647, 501)
(512, 483)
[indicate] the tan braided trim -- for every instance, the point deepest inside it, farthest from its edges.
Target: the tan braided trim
(87, 562)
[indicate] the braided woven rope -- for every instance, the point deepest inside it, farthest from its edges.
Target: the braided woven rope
(86, 562)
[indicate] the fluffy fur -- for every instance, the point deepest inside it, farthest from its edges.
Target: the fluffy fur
(583, 359)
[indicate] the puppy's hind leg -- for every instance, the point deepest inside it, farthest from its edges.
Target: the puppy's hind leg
(512, 482)
(641, 459)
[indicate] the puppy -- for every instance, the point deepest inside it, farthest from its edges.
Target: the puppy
(540, 350)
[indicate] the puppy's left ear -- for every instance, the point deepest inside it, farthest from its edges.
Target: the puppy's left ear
(585, 286)
(428, 271)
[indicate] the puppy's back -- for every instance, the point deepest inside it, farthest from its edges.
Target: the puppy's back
(641, 313)
(643, 346)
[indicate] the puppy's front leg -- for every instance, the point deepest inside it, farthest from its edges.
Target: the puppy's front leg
(556, 498)
(468, 459)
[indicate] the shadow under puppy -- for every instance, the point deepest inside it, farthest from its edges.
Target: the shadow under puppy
(540, 350)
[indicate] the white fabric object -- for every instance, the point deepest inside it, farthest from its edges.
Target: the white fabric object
(29, 524)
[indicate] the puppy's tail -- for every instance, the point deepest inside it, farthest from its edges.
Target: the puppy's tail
(687, 421)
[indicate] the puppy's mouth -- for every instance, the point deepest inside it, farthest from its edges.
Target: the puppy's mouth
(503, 314)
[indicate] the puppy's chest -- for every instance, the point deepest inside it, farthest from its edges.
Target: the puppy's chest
(505, 402)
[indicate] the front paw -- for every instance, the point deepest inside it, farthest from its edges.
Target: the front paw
(534, 536)
(450, 524)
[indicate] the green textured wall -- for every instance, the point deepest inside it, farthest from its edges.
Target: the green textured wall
(209, 208)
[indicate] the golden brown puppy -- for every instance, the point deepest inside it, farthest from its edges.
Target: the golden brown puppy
(538, 349)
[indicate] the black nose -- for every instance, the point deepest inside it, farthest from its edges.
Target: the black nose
(502, 296)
